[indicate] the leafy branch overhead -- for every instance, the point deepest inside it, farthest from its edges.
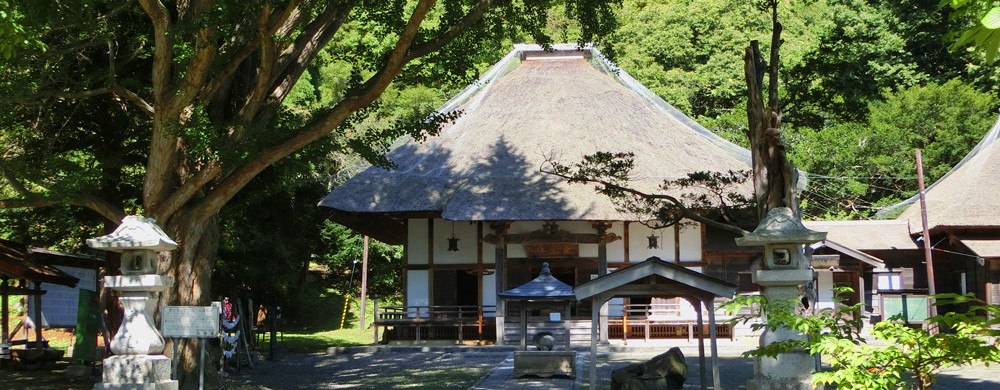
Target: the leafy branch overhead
(712, 198)
(985, 34)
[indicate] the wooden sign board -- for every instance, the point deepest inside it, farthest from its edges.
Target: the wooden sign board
(552, 249)
(191, 321)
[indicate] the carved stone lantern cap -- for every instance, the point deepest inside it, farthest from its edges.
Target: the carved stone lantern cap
(780, 226)
(134, 233)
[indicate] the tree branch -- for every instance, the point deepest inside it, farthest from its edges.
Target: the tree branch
(683, 210)
(134, 98)
(164, 210)
(163, 49)
(295, 58)
(96, 204)
(360, 98)
(473, 17)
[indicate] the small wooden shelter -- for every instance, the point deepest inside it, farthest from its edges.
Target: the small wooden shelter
(17, 263)
(657, 278)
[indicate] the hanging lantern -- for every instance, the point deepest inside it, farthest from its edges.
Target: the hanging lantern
(453, 241)
(653, 242)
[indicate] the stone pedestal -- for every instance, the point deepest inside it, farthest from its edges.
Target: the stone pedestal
(136, 372)
(790, 370)
(133, 366)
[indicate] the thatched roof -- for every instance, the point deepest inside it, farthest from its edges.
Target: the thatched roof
(485, 166)
(866, 235)
(984, 248)
(966, 195)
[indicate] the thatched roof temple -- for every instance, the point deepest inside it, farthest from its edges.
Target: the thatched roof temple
(531, 107)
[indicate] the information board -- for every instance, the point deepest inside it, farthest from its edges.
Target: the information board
(191, 321)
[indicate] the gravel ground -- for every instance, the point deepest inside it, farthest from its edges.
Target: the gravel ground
(368, 368)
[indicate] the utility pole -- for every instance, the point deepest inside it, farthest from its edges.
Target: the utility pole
(928, 257)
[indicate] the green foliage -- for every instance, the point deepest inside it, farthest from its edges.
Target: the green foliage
(896, 356)
(858, 167)
(984, 18)
(385, 263)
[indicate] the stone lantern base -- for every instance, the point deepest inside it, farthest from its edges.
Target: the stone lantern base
(137, 372)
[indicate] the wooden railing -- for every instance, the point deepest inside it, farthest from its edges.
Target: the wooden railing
(420, 318)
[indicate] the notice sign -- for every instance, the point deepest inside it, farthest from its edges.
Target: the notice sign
(191, 321)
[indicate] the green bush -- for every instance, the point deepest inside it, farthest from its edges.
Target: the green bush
(899, 356)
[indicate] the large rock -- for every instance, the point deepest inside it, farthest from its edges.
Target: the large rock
(666, 371)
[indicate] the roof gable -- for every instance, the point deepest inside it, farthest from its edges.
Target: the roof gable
(655, 266)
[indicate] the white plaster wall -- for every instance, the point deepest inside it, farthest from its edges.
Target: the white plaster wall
(417, 289)
(466, 234)
(690, 242)
(416, 241)
(639, 243)
(824, 284)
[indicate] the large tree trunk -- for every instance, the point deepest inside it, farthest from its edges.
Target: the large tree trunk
(190, 266)
(774, 177)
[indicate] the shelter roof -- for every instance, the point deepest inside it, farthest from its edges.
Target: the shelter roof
(960, 198)
(522, 114)
(545, 287)
(689, 281)
(17, 262)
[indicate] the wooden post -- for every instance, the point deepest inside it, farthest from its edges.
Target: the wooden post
(375, 318)
(364, 283)
(5, 311)
(928, 256)
(38, 315)
(499, 278)
(701, 341)
(595, 307)
(710, 302)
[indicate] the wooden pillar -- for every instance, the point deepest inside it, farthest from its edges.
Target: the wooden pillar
(566, 325)
(710, 303)
(524, 325)
(479, 281)
(602, 269)
(38, 314)
(698, 305)
(5, 310)
(500, 275)
(677, 243)
(602, 247)
(430, 263)
(595, 307)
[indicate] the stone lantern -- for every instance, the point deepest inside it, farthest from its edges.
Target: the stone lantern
(785, 270)
(137, 362)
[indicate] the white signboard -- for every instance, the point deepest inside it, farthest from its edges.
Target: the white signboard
(191, 321)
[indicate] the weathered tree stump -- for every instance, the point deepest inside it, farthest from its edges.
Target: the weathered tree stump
(666, 371)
